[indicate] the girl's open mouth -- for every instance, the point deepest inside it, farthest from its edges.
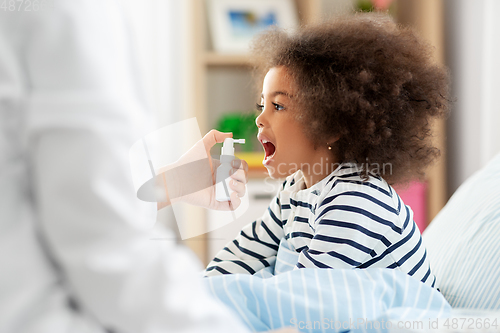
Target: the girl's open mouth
(270, 150)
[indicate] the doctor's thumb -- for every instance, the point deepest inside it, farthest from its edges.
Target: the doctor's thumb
(214, 136)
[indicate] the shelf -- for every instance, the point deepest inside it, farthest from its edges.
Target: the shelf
(217, 59)
(202, 63)
(254, 159)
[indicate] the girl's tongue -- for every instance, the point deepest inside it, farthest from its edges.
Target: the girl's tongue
(270, 149)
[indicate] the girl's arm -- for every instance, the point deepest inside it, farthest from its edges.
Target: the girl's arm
(362, 225)
(254, 248)
(353, 225)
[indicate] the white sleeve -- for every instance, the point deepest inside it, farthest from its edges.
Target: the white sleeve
(84, 111)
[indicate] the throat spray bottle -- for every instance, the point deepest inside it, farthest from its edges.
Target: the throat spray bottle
(222, 190)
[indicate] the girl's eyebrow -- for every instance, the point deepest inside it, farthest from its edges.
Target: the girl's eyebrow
(276, 93)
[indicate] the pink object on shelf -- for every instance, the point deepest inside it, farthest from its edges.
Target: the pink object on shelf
(415, 196)
(381, 4)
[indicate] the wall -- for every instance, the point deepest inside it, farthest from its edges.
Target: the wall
(161, 47)
(472, 53)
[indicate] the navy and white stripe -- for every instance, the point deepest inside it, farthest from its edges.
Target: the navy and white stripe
(340, 222)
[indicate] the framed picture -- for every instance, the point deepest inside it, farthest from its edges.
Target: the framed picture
(233, 23)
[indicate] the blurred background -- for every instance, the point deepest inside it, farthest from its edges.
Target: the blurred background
(192, 71)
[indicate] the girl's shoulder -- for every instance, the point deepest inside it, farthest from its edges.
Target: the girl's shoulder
(346, 184)
(366, 200)
(349, 176)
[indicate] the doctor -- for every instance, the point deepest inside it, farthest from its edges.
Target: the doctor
(75, 248)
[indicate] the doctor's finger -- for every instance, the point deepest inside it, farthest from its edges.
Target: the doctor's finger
(240, 164)
(238, 187)
(239, 175)
(235, 201)
(213, 137)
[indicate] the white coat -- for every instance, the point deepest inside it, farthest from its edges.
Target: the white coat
(76, 253)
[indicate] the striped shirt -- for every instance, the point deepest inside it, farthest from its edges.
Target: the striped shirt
(340, 222)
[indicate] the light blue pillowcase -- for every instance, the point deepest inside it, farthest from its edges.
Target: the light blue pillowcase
(463, 242)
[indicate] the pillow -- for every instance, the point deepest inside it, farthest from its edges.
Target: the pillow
(463, 242)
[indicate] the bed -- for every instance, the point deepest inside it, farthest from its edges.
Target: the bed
(463, 245)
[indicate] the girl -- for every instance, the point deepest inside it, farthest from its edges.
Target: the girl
(345, 112)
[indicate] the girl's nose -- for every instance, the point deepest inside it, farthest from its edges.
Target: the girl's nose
(259, 121)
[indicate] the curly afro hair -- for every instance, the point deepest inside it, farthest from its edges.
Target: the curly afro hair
(368, 82)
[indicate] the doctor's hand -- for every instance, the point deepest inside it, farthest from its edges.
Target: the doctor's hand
(192, 178)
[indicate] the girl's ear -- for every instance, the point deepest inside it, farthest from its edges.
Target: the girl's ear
(331, 144)
(333, 139)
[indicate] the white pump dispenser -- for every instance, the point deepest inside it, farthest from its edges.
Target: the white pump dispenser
(222, 190)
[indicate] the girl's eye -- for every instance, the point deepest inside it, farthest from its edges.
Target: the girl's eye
(278, 107)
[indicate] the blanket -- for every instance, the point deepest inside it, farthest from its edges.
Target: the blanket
(329, 300)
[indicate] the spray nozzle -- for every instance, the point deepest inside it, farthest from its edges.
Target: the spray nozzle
(228, 146)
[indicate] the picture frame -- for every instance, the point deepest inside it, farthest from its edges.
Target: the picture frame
(233, 23)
